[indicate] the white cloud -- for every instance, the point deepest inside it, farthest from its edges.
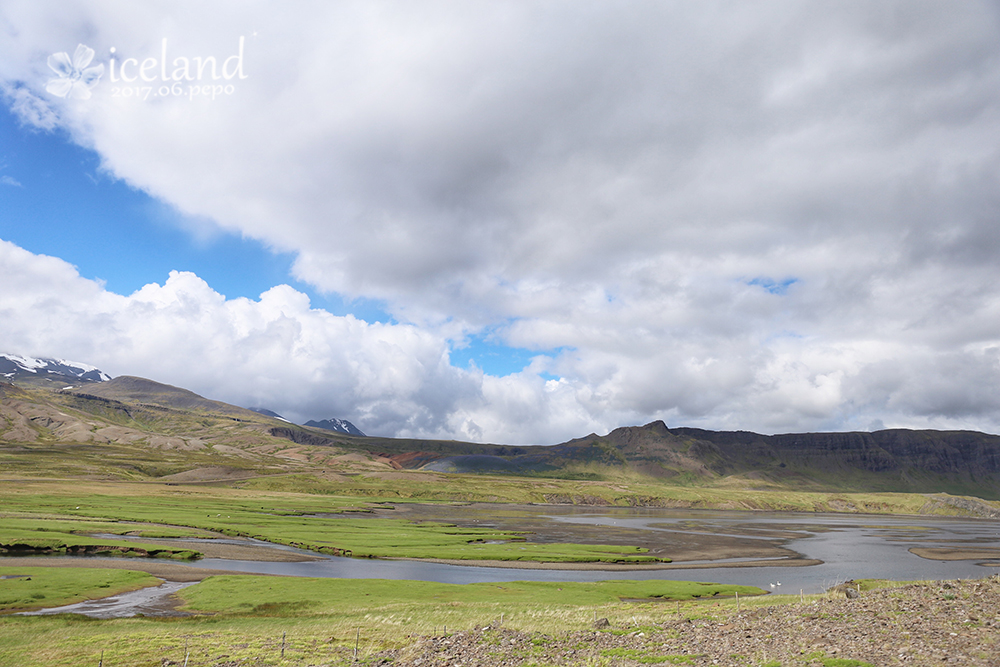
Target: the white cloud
(280, 353)
(275, 351)
(621, 185)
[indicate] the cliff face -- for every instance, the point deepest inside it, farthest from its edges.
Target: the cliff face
(944, 452)
(959, 462)
(896, 459)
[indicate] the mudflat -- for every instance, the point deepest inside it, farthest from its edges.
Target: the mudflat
(618, 567)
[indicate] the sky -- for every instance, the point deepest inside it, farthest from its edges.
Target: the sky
(513, 222)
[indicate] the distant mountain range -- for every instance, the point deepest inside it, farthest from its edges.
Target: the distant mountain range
(63, 374)
(81, 404)
(890, 460)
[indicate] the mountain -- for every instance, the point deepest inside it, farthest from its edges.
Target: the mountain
(900, 460)
(268, 413)
(338, 425)
(148, 392)
(49, 372)
(75, 417)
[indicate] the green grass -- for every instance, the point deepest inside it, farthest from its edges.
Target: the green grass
(268, 596)
(45, 535)
(244, 617)
(827, 661)
(646, 658)
(282, 519)
(54, 587)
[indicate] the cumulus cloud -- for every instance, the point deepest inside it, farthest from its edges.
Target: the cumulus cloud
(777, 216)
(274, 351)
(396, 379)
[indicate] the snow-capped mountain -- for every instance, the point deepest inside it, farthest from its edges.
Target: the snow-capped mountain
(338, 425)
(15, 367)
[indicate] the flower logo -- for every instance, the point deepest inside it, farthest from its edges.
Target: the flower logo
(75, 78)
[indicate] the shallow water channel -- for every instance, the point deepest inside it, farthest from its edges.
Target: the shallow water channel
(152, 601)
(850, 546)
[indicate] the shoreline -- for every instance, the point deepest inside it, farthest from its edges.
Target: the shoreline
(161, 569)
(613, 567)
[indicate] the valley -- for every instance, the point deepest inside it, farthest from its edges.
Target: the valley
(180, 488)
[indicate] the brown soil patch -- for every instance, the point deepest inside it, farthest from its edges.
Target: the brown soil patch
(213, 473)
(409, 476)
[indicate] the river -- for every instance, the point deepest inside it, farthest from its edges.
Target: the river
(851, 546)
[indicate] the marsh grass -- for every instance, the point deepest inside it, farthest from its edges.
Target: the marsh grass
(289, 519)
(242, 594)
(41, 535)
(27, 588)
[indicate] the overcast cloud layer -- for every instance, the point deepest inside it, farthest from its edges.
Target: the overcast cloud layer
(771, 216)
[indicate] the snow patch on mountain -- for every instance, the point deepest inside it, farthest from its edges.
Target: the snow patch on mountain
(338, 425)
(14, 365)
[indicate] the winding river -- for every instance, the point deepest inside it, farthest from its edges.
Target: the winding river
(850, 546)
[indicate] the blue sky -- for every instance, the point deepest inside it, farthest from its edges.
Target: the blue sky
(515, 223)
(60, 202)
(65, 205)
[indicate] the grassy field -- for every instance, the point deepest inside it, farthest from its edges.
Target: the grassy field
(38, 534)
(46, 519)
(54, 514)
(245, 617)
(283, 622)
(625, 489)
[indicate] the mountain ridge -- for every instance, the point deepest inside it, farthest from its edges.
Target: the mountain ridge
(129, 410)
(336, 425)
(45, 371)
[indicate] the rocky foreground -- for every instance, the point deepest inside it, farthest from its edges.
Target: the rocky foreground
(940, 623)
